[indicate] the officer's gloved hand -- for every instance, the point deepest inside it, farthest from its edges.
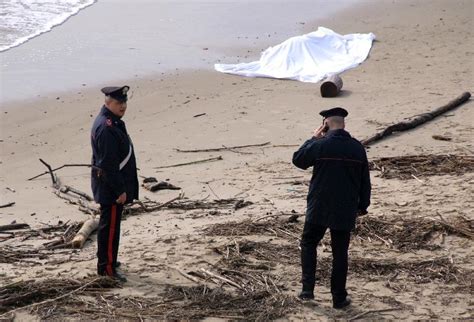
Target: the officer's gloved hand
(362, 212)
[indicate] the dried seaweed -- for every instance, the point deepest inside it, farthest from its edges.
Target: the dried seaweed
(277, 228)
(248, 254)
(412, 166)
(177, 303)
(410, 233)
(25, 293)
(188, 204)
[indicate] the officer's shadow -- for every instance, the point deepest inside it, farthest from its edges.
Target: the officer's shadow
(325, 310)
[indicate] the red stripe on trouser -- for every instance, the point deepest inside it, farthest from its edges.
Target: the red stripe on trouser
(110, 248)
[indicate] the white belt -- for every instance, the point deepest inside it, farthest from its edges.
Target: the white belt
(127, 158)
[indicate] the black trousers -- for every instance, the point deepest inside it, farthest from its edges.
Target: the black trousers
(312, 235)
(108, 237)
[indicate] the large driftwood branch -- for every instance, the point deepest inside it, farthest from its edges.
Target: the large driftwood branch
(421, 119)
(63, 166)
(224, 148)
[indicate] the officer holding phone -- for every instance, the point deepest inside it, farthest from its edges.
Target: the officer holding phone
(339, 191)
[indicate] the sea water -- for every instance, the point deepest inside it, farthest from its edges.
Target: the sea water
(21, 20)
(116, 40)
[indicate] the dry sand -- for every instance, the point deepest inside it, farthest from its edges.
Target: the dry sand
(422, 59)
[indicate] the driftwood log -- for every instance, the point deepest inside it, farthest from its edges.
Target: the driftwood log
(86, 230)
(331, 86)
(421, 119)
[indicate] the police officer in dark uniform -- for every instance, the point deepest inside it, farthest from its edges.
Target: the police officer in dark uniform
(339, 191)
(114, 176)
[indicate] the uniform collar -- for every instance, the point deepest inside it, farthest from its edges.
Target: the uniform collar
(107, 113)
(338, 132)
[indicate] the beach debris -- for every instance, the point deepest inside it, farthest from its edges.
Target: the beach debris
(417, 120)
(199, 115)
(441, 138)
(152, 184)
(28, 294)
(61, 167)
(395, 232)
(219, 158)
(224, 148)
(362, 314)
(176, 303)
(61, 234)
(415, 166)
(242, 204)
(292, 216)
(409, 234)
(88, 227)
(13, 226)
(64, 240)
(278, 228)
(20, 255)
(189, 204)
(331, 86)
(10, 204)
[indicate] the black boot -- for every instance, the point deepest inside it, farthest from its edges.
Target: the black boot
(120, 277)
(306, 295)
(342, 304)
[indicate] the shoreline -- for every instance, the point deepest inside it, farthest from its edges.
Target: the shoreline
(141, 43)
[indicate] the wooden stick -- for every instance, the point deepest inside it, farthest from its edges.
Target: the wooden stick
(189, 277)
(460, 230)
(148, 209)
(278, 215)
(14, 227)
(7, 205)
(358, 316)
(66, 189)
(53, 178)
(63, 166)
(228, 281)
(421, 119)
(188, 163)
(224, 148)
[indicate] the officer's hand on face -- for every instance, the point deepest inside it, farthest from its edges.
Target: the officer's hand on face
(320, 131)
(122, 198)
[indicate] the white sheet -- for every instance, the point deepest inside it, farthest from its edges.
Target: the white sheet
(307, 58)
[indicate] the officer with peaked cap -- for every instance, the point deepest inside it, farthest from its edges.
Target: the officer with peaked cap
(114, 176)
(339, 191)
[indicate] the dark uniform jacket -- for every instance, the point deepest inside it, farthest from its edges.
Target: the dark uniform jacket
(110, 147)
(340, 185)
